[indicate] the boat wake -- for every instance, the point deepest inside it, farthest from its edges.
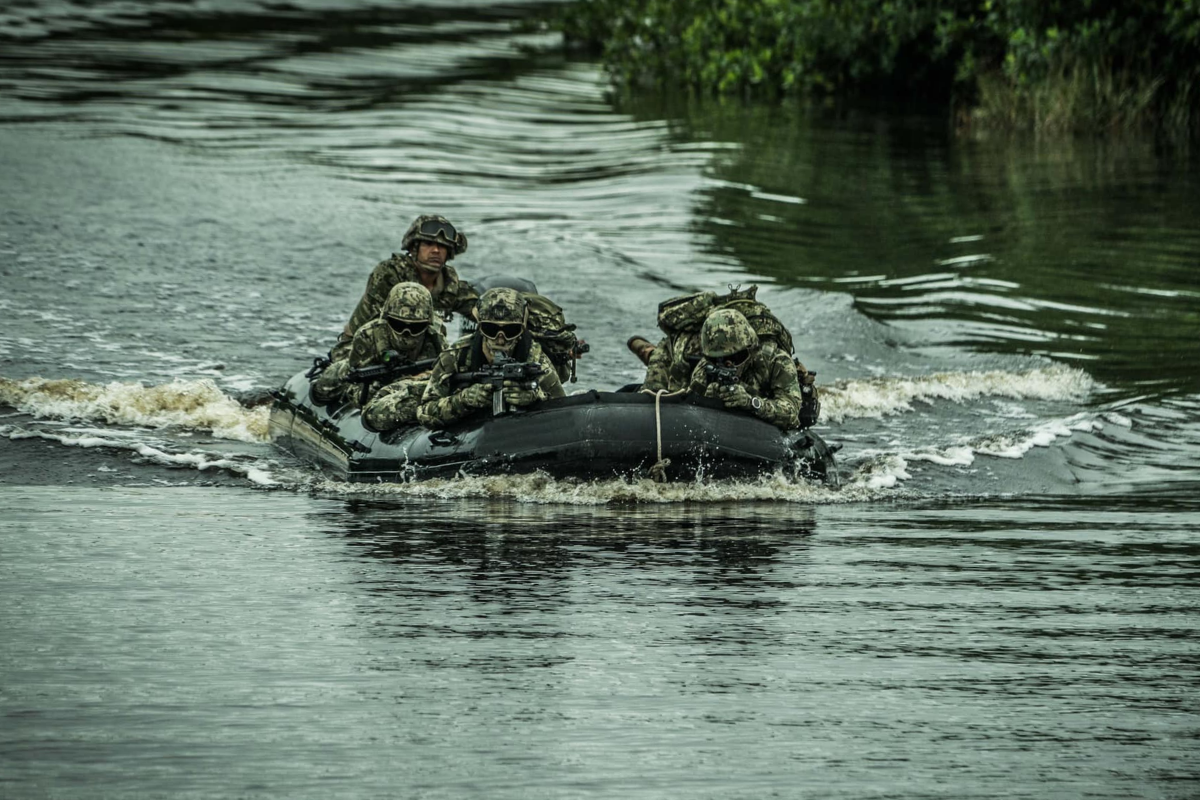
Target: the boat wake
(909, 436)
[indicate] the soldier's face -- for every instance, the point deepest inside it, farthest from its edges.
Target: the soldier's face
(432, 253)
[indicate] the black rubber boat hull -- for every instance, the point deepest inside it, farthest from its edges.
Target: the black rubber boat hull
(590, 435)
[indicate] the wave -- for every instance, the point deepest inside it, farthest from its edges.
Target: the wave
(185, 404)
(879, 397)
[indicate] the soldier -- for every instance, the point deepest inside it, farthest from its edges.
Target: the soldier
(765, 383)
(401, 336)
(671, 362)
(503, 329)
(429, 244)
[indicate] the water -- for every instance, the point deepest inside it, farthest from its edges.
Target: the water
(1001, 600)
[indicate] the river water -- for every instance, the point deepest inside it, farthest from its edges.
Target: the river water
(1001, 601)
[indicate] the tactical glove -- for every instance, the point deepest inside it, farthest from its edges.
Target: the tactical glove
(734, 396)
(477, 395)
(517, 395)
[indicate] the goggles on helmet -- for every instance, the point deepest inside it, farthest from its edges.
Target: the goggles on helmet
(511, 330)
(434, 228)
(406, 327)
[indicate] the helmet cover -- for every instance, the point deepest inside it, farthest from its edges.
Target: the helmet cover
(726, 332)
(501, 305)
(409, 302)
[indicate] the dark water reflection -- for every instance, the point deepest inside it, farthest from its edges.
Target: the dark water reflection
(1082, 251)
(280, 645)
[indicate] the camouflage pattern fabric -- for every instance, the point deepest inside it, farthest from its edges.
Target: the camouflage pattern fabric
(395, 405)
(550, 329)
(367, 349)
(768, 375)
(672, 362)
(442, 406)
(726, 332)
(330, 386)
(681, 318)
(451, 295)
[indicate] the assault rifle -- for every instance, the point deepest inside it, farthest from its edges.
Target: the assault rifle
(393, 366)
(723, 376)
(503, 368)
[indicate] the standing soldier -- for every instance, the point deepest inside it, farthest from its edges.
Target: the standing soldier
(746, 375)
(429, 244)
(503, 334)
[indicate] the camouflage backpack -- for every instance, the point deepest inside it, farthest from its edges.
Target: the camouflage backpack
(765, 324)
(685, 314)
(549, 327)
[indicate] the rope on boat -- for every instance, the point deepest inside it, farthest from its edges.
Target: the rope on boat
(658, 471)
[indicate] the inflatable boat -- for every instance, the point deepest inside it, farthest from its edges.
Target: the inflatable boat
(588, 435)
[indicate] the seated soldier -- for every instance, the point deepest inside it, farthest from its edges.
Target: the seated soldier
(385, 359)
(744, 374)
(429, 244)
(546, 322)
(502, 331)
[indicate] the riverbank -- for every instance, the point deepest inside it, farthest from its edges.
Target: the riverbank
(1118, 69)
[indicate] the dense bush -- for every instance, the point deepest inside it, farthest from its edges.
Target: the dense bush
(1048, 64)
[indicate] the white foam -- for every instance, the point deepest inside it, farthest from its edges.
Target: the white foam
(541, 488)
(953, 456)
(196, 404)
(1016, 445)
(198, 461)
(879, 397)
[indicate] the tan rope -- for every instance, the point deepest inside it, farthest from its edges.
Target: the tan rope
(658, 471)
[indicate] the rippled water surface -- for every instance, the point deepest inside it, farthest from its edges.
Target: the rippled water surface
(1001, 601)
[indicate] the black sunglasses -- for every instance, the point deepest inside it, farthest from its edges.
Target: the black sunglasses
(736, 359)
(491, 330)
(405, 327)
(431, 227)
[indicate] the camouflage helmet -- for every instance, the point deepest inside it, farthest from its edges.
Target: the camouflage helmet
(432, 228)
(726, 332)
(501, 305)
(409, 302)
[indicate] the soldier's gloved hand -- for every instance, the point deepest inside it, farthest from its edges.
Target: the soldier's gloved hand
(477, 395)
(517, 395)
(734, 396)
(712, 390)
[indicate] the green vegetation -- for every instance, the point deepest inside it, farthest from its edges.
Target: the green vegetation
(1044, 65)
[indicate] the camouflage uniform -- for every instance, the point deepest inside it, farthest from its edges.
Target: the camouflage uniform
(767, 386)
(671, 363)
(674, 359)
(375, 343)
(442, 405)
(451, 294)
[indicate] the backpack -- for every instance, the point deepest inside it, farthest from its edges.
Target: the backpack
(549, 327)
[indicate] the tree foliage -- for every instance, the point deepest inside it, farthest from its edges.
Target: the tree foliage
(1053, 64)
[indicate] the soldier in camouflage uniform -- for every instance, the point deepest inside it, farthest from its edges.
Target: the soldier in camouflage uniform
(403, 333)
(671, 362)
(503, 329)
(429, 244)
(766, 384)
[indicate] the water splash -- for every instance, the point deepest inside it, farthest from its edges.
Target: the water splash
(192, 405)
(544, 489)
(879, 397)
